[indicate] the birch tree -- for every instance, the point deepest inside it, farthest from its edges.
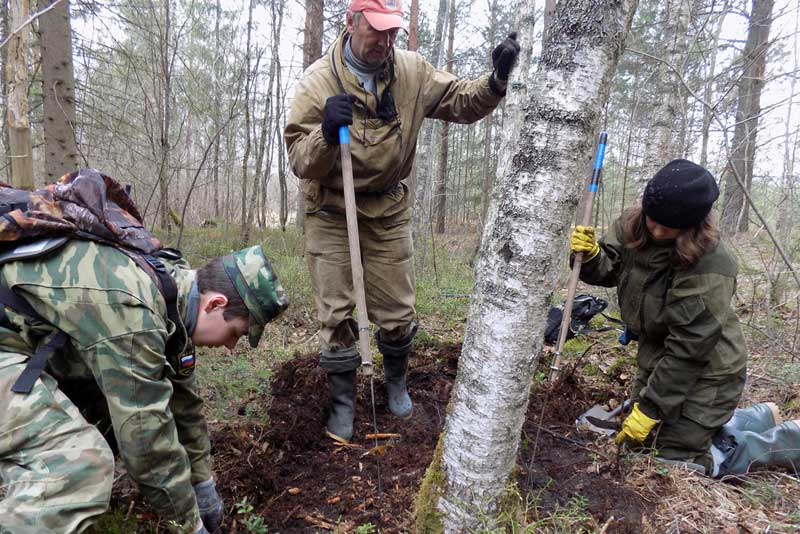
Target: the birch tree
(659, 147)
(19, 126)
(548, 145)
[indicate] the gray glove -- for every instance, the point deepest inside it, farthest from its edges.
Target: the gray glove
(210, 504)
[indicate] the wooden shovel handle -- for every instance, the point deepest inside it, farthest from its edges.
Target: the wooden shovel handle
(355, 250)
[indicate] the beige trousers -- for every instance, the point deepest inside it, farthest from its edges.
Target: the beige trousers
(387, 257)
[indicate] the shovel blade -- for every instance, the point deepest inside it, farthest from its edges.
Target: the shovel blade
(596, 413)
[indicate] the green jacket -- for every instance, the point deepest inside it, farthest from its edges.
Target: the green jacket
(692, 356)
(116, 322)
(383, 152)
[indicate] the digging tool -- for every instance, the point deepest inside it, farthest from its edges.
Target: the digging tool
(598, 419)
(358, 276)
(566, 318)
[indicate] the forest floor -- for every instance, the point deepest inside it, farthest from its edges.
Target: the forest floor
(278, 473)
(285, 476)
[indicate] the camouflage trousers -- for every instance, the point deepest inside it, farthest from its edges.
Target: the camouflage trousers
(56, 469)
(387, 256)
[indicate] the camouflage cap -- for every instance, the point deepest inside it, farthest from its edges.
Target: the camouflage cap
(256, 282)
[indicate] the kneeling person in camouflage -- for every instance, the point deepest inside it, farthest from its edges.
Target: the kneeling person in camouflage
(57, 468)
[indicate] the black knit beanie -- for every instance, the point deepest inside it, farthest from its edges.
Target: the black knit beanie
(680, 195)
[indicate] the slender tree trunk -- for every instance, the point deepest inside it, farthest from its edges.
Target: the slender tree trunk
(659, 147)
(283, 214)
(165, 109)
(4, 30)
(425, 159)
(441, 175)
(247, 83)
(58, 90)
(312, 49)
(708, 89)
(532, 207)
(19, 127)
(413, 26)
(735, 212)
(217, 110)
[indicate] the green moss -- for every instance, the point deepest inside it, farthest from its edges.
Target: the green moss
(114, 523)
(427, 518)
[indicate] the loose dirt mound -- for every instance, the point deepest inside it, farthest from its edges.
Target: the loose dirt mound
(298, 481)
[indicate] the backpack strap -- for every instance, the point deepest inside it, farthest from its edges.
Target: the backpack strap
(169, 291)
(37, 362)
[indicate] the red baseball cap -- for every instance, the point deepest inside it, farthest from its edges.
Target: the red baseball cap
(381, 14)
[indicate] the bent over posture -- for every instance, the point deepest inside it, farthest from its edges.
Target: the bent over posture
(675, 281)
(385, 94)
(56, 467)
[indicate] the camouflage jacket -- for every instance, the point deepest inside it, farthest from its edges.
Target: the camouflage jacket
(116, 321)
(383, 151)
(692, 356)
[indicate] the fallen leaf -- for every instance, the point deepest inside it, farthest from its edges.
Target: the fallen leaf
(380, 450)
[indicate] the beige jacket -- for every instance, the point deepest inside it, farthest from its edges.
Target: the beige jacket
(383, 152)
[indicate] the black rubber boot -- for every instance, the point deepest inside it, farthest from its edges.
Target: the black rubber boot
(395, 365)
(341, 366)
(394, 368)
(343, 405)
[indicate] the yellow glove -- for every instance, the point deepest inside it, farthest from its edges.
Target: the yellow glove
(582, 240)
(636, 426)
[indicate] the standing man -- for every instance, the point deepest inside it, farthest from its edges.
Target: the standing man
(385, 94)
(56, 468)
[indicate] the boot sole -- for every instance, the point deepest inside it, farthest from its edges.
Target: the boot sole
(404, 417)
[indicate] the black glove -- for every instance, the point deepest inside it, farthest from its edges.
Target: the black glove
(504, 56)
(210, 504)
(338, 112)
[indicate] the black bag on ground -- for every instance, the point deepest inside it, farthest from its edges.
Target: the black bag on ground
(584, 307)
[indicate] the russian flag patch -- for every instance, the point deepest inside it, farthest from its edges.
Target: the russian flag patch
(186, 364)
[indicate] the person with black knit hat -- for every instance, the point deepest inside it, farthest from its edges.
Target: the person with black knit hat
(675, 280)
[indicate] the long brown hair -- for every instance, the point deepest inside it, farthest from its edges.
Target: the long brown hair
(690, 245)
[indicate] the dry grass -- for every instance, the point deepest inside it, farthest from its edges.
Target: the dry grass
(690, 503)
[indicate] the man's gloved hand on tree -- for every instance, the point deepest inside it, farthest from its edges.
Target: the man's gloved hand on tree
(504, 57)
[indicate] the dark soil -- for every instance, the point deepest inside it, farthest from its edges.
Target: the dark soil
(299, 481)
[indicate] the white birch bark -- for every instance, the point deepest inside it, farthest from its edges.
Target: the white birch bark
(19, 127)
(550, 141)
(659, 147)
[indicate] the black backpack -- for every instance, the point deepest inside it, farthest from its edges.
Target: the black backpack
(584, 307)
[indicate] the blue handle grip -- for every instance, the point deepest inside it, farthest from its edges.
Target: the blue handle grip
(344, 135)
(599, 156)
